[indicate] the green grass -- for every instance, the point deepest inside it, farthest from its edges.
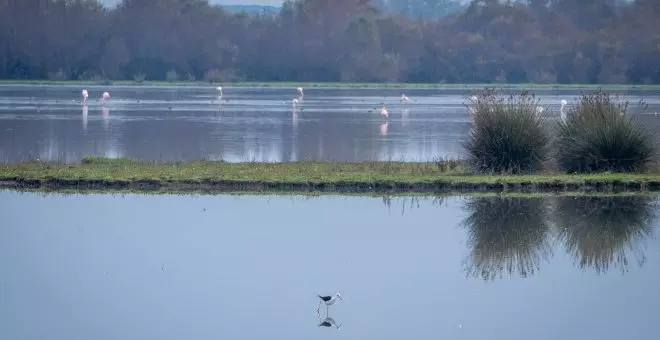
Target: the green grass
(336, 84)
(364, 177)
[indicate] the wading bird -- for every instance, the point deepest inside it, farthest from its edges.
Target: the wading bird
(383, 112)
(562, 113)
(219, 88)
(328, 300)
(300, 92)
(84, 96)
(404, 98)
(539, 110)
(105, 97)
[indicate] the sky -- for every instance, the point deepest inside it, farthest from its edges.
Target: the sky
(223, 2)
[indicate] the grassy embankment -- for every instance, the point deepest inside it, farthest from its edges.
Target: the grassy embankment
(364, 177)
(333, 84)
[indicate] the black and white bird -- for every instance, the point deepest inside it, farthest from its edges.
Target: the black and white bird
(329, 322)
(328, 300)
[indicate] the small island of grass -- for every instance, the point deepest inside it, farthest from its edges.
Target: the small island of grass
(364, 177)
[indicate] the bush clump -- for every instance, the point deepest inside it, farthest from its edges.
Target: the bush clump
(599, 135)
(508, 135)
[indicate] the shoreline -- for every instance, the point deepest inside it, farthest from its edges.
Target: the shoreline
(130, 83)
(217, 177)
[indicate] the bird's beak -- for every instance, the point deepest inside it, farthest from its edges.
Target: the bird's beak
(340, 298)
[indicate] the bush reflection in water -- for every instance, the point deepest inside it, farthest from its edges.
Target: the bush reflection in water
(604, 231)
(515, 236)
(506, 234)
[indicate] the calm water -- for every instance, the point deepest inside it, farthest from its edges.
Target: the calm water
(250, 267)
(170, 123)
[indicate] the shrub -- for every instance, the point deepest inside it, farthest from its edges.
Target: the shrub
(507, 136)
(171, 76)
(139, 77)
(599, 135)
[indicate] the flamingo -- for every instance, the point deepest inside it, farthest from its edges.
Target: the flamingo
(105, 97)
(561, 110)
(383, 112)
(85, 95)
(219, 88)
(300, 91)
(404, 98)
(539, 110)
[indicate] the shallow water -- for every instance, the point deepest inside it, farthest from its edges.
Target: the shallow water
(250, 267)
(185, 123)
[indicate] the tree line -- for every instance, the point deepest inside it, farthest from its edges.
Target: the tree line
(487, 41)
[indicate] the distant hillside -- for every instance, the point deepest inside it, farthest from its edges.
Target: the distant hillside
(251, 9)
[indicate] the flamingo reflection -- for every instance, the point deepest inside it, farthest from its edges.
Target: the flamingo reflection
(404, 116)
(383, 129)
(85, 112)
(105, 114)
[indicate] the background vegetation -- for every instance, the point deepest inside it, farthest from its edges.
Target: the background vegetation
(535, 41)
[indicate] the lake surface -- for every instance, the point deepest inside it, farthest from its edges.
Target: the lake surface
(246, 124)
(250, 267)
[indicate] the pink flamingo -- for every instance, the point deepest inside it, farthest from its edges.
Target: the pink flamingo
(383, 112)
(404, 98)
(84, 96)
(105, 97)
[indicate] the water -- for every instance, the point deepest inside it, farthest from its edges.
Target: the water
(179, 123)
(250, 267)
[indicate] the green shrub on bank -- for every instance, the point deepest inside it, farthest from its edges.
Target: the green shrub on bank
(599, 135)
(508, 135)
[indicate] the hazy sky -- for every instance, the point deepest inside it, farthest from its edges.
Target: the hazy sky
(224, 2)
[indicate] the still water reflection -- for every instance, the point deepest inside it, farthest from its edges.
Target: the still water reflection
(260, 124)
(209, 267)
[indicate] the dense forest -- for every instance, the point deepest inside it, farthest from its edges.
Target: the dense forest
(535, 41)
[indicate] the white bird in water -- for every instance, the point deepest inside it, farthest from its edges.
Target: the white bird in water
(105, 97)
(561, 110)
(329, 300)
(219, 88)
(84, 96)
(300, 91)
(383, 112)
(329, 322)
(404, 98)
(539, 110)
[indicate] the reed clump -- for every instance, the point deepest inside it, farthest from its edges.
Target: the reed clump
(508, 134)
(599, 135)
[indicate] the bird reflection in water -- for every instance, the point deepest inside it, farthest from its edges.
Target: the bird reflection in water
(105, 114)
(85, 112)
(329, 322)
(404, 116)
(383, 129)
